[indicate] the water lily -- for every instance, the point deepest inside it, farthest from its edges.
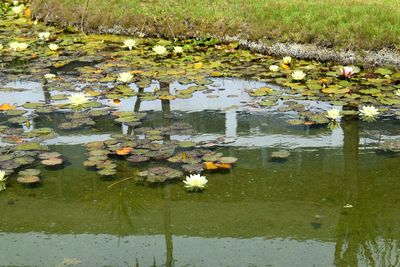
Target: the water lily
(2, 180)
(397, 92)
(49, 76)
(18, 9)
(178, 50)
(1, 47)
(195, 182)
(125, 77)
(53, 47)
(287, 60)
(78, 99)
(16, 46)
(159, 49)
(44, 36)
(369, 113)
(333, 114)
(298, 75)
(274, 68)
(347, 72)
(130, 43)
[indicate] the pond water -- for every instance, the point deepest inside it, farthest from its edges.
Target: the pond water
(305, 190)
(333, 201)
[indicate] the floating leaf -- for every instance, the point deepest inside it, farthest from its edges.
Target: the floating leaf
(7, 106)
(52, 161)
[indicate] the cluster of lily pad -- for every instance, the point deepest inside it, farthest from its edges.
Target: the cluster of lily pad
(371, 93)
(24, 155)
(148, 145)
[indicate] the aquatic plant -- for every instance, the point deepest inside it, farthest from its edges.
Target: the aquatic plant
(130, 43)
(195, 182)
(274, 68)
(397, 92)
(125, 77)
(2, 180)
(78, 99)
(16, 46)
(369, 113)
(178, 50)
(44, 36)
(159, 49)
(18, 9)
(287, 60)
(53, 47)
(49, 76)
(298, 75)
(347, 72)
(333, 114)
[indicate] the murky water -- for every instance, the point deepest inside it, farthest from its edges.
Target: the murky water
(334, 201)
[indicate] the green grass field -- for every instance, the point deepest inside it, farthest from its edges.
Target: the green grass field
(353, 24)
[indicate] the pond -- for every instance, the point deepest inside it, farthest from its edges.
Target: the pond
(287, 186)
(332, 201)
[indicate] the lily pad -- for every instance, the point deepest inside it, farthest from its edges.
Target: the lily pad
(28, 179)
(29, 172)
(52, 161)
(280, 155)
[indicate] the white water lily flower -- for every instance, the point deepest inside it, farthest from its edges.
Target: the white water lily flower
(333, 114)
(49, 76)
(44, 35)
(2, 175)
(18, 9)
(274, 68)
(298, 75)
(178, 50)
(2, 180)
(347, 72)
(16, 46)
(195, 182)
(397, 92)
(159, 49)
(130, 43)
(78, 99)
(53, 47)
(287, 60)
(369, 112)
(125, 77)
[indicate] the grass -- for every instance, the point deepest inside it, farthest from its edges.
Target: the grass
(349, 24)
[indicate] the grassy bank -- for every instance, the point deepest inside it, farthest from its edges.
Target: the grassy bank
(352, 24)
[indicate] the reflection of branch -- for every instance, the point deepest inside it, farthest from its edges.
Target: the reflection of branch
(120, 181)
(136, 108)
(347, 244)
(167, 227)
(166, 109)
(83, 15)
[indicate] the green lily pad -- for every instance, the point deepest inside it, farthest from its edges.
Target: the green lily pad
(227, 160)
(31, 147)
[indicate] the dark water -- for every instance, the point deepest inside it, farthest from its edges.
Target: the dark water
(333, 202)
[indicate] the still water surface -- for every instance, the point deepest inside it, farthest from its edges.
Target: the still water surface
(333, 202)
